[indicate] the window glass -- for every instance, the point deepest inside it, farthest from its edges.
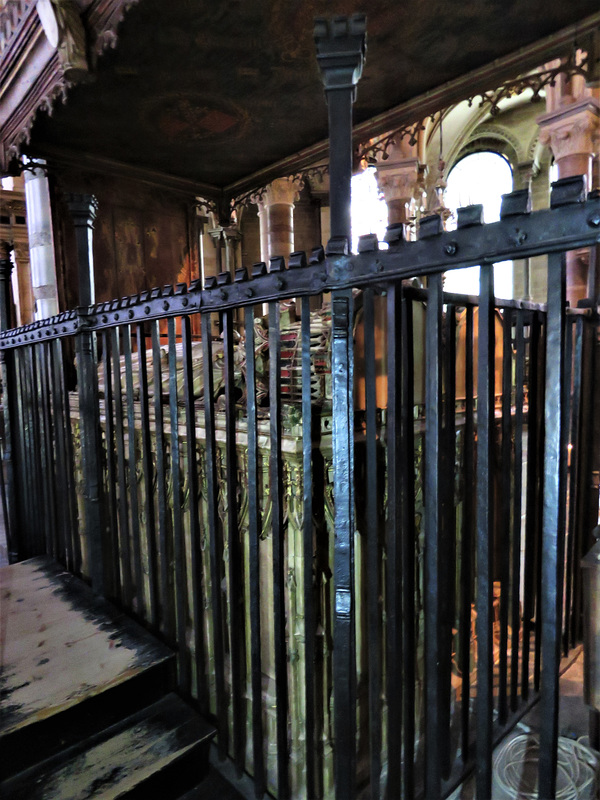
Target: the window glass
(479, 178)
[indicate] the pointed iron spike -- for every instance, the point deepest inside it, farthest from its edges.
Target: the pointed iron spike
(514, 203)
(430, 226)
(210, 282)
(180, 288)
(368, 243)
(566, 191)
(469, 216)
(277, 264)
(338, 246)
(317, 255)
(241, 275)
(223, 278)
(297, 259)
(258, 269)
(394, 234)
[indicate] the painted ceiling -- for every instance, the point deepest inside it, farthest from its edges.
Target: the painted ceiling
(214, 92)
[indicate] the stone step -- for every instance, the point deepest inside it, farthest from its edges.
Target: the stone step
(161, 751)
(71, 664)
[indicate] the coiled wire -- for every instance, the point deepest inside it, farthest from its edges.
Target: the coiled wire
(516, 761)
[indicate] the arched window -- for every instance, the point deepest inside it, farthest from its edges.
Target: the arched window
(479, 178)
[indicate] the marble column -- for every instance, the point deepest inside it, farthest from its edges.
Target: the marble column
(277, 216)
(398, 181)
(572, 131)
(41, 245)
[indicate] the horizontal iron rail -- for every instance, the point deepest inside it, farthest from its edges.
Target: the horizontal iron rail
(513, 238)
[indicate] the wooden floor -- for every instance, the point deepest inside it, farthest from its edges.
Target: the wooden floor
(60, 645)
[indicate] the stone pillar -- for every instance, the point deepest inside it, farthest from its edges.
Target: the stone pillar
(41, 245)
(278, 218)
(398, 182)
(83, 209)
(573, 132)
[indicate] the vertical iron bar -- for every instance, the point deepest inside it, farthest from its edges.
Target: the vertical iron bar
(45, 449)
(537, 666)
(36, 466)
(236, 589)
(485, 533)
(572, 570)
(133, 480)
(124, 537)
(178, 540)
(373, 553)
(344, 661)
(564, 446)
(216, 546)
(506, 494)
(531, 497)
(166, 600)
(432, 597)
(147, 471)
(408, 548)
(111, 471)
(62, 478)
(194, 500)
(447, 562)
(552, 535)
(340, 47)
(310, 623)
(254, 568)
(276, 491)
(517, 510)
(22, 456)
(72, 498)
(393, 562)
(466, 558)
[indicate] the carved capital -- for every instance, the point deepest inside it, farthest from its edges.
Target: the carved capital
(571, 131)
(398, 181)
(83, 208)
(341, 47)
(282, 191)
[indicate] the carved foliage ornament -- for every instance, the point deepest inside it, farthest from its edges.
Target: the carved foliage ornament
(378, 149)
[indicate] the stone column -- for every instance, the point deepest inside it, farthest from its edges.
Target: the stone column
(83, 209)
(573, 132)
(398, 179)
(278, 218)
(398, 182)
(41, 245)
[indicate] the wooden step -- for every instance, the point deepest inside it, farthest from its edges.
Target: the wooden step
(159, 752)
(71, 663)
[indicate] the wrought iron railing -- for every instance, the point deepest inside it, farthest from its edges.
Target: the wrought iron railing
(364, 576)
